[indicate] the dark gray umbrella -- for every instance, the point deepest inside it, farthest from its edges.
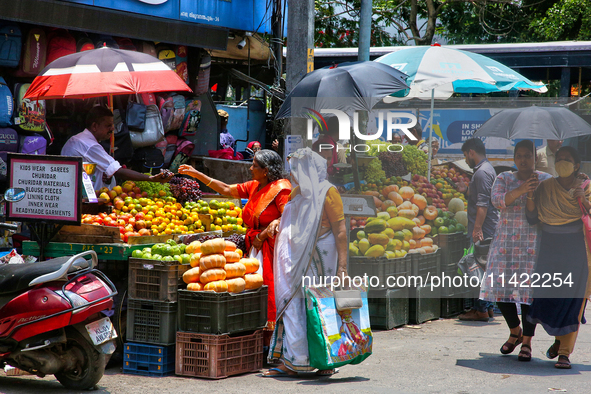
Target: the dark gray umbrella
(348, 86)
(553, 123)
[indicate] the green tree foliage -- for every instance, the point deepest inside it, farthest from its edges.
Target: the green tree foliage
(565, 20)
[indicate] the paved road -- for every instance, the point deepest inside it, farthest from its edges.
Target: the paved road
(443, 356)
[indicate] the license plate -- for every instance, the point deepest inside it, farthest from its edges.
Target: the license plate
(101, 331)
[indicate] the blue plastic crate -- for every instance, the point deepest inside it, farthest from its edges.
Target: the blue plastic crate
(148, 360)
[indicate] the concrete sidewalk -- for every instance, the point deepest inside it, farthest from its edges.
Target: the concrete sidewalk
(442, 356)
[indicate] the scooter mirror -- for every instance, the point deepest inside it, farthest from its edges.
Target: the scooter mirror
(14, 194)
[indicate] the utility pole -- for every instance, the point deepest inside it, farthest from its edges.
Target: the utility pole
(364, 31)
(300, 55)
(277, 31)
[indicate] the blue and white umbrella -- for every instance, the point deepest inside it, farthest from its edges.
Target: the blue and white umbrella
(448, 71)
(436, 72)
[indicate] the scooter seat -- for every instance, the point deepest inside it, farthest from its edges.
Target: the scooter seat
(16, 277)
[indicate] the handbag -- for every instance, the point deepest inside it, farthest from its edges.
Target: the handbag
(257, 254)
(586, 218)
(135, 116)
(469, 266)
(337, 337)
(153, 131)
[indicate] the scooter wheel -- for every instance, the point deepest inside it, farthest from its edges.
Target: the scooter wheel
(90, 366)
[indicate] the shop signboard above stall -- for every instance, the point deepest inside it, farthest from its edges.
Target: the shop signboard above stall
(247, 15)
(52, 188)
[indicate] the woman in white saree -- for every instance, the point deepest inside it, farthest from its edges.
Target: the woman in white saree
(311, 242)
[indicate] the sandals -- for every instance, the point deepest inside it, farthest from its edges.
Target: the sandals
(327, 372)
(552, 351)
(524, 353)
(563, 363)
(277, 373)
(511, 346)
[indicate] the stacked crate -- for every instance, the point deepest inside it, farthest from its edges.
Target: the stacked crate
(424, 301)
(220, 334)
(388, 304)
(152, 317)
(452, 247)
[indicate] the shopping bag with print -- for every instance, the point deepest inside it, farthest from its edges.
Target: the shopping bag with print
(336, 338)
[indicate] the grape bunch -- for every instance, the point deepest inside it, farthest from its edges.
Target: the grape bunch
(185, 190)
(374, 171)
(153, 188)
(392, 164)
(208, 237)
(166, 173)
(415, 160)
(239, 241)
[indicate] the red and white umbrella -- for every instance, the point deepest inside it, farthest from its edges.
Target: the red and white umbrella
(104, 72)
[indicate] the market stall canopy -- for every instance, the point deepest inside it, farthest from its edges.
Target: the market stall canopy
(553, 123)
(104, 72)
(348, 86)
(449, 71)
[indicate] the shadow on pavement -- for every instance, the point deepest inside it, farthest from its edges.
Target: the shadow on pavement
(494, 363)
(31, 384)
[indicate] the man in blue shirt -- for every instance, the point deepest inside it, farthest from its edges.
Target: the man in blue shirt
(482, 215)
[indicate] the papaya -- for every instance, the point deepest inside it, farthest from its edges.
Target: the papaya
(363, 246)
(353, 250)
(399, 223)
(391, 245)
(379, 239)
(408, 235)
(392, 211)
(375, 251)
(361, 235)
(390, 255)
(399, 235)
(376, 226)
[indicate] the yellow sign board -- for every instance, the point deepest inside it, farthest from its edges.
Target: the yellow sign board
(310, 67)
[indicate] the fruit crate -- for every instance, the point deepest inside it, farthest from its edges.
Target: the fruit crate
(218, 356)
(452, 250)
(388, 308)
(381, 268)
(155, 280)
(452, 301)
(152, 322)
(424, 304)
(425, 265)
(148, 360)
(222, 313)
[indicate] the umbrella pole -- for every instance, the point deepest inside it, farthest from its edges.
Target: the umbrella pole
(430, 145)
(112, 139)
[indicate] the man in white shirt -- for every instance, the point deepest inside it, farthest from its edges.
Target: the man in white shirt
(99, 126)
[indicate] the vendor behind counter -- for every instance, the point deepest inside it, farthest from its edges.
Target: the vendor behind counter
(99, 127)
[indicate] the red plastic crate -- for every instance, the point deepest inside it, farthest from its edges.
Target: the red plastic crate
(218, 356)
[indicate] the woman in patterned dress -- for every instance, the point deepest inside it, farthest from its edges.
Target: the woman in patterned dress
(514, 248)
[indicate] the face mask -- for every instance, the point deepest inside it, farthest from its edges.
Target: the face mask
(564, 168)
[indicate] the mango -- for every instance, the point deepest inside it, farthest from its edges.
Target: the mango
(392, 211)
(399, 235)
(383, 215)
(394, 244)
(375, 251)
(379, 239)
(353, 250)
(407, 234)
(405, 246)
(388, 232)
(363, 246)
(390, 255)
(361, 235)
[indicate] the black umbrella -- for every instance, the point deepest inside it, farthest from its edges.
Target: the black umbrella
(348, 86)
(553, 123)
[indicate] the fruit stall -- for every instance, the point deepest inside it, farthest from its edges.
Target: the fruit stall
(177, 258)
(419, 229)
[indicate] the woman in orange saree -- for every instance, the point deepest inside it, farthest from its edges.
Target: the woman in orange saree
(267, 194)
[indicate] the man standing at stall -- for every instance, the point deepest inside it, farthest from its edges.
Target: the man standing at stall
(99, 126)
(482, 214)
